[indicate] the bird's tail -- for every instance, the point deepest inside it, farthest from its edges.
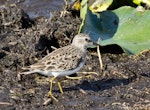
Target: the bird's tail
(27, 70)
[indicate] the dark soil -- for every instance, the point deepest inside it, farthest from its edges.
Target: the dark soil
(123, 84)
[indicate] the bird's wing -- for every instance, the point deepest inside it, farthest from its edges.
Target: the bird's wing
(61, 59)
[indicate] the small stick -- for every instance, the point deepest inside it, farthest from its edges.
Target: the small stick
(5, 103)
(99, 56)
(48, 101)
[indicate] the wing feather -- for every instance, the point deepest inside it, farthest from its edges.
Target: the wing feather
(61, 59)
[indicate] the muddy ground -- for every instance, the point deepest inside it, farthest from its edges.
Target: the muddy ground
(123, 84)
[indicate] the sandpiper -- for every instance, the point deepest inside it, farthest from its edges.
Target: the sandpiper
(62, 61)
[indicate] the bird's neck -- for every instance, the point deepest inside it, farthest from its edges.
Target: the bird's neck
(82, 48)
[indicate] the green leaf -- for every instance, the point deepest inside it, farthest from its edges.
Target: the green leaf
(100, 5)
(139, 2)
(132, 33)
(83, 12)
(101, 25)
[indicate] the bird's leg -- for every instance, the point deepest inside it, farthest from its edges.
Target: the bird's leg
(51, 84)
(50, 92)
(60, 88)
(51, 95)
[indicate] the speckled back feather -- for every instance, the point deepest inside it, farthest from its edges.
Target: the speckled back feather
(60, 59)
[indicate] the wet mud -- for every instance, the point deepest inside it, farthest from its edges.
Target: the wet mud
(122, 84)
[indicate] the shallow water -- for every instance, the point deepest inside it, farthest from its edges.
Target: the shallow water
(36, 8)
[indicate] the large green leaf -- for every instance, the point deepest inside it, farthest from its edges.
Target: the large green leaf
(132, 33)
(101, 25)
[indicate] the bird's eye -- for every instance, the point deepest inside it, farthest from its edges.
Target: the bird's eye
(87, 40)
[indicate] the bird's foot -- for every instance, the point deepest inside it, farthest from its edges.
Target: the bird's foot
(51, 95)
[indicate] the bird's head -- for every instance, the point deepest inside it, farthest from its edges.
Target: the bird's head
(83, 41)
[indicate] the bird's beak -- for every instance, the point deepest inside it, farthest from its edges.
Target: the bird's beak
(94, 43)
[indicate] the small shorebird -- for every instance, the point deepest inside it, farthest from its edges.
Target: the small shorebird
(62, 61)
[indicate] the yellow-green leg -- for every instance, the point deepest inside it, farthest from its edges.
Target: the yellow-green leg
(60, 88)
(50, 92)
(51, 84)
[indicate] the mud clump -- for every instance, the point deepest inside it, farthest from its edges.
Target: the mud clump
(122, 84)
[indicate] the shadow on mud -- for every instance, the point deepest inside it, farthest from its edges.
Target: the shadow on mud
(104, 84)
(99, 85)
